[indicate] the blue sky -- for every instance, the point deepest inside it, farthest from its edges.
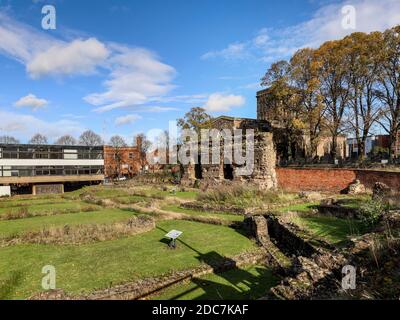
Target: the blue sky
(124, 67)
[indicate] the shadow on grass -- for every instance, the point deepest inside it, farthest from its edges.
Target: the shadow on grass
(336, 230)
(235, 284)
(231, 282)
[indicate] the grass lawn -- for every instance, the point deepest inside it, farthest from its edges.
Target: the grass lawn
(131, 199)
(107, 192)
(225, 216)
(247, 283)
(334, 230)
(354, 203)
(102, 264)
(48, 207)
(189, 195)
(302, 207)
(12, 227)
(11, 202)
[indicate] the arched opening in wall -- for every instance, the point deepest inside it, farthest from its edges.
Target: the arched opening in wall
(198, 169)
(228, 172)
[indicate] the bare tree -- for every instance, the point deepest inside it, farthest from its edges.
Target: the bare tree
(8, 140)
(363, 68)
(117, 143)
(90, 138)
(144, 145)
(66, 140)
(38, 139)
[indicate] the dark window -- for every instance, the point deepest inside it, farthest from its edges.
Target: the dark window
(228, 172)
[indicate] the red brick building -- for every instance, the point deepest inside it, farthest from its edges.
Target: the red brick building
(123, 161)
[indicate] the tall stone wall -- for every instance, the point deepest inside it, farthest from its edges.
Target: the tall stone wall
(262, 175)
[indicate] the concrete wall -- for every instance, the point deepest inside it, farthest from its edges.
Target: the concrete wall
(47, 189)
(335, 180)
(5, 191)
(51, 179)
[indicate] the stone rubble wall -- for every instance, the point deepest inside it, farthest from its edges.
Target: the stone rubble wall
(316, 274)
(309, 266)
(262, 175)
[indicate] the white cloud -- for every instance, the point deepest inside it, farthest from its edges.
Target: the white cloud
(45, 55)
(25, 126)
(31, 101)
(137, 76)
(76, 57)
(262, 38)
(325, 24)
(157, 109)
(218, 102)
(128, 119)
(20, 41)
(233, 51)
(252, 86)
(190, 99)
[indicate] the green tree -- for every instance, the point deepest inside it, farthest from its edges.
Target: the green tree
(283, 106)
(196, 119)
(306, 81)
(388, 90)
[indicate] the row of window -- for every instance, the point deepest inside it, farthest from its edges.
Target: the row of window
(117, 156)
(49, 153)
(7, 171)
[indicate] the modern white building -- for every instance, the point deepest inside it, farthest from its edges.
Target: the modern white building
(46, 168)
(372, 141)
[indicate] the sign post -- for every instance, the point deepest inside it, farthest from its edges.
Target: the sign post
(173, 235)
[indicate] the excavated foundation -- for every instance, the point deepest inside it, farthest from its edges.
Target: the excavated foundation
(312, 270)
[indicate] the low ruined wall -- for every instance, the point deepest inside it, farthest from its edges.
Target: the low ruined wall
(147, 287)
(330, 179)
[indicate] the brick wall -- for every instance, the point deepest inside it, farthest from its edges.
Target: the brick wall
(335, 180)
(130, 161)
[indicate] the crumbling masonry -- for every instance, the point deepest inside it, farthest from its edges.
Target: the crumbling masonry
(263, 174)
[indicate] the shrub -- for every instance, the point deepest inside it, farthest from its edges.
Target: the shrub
(243, 196)
(371, 212)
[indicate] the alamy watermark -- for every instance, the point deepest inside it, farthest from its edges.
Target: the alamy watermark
(49, 21)
(349, 20)
(349, 277)
(49, 280)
